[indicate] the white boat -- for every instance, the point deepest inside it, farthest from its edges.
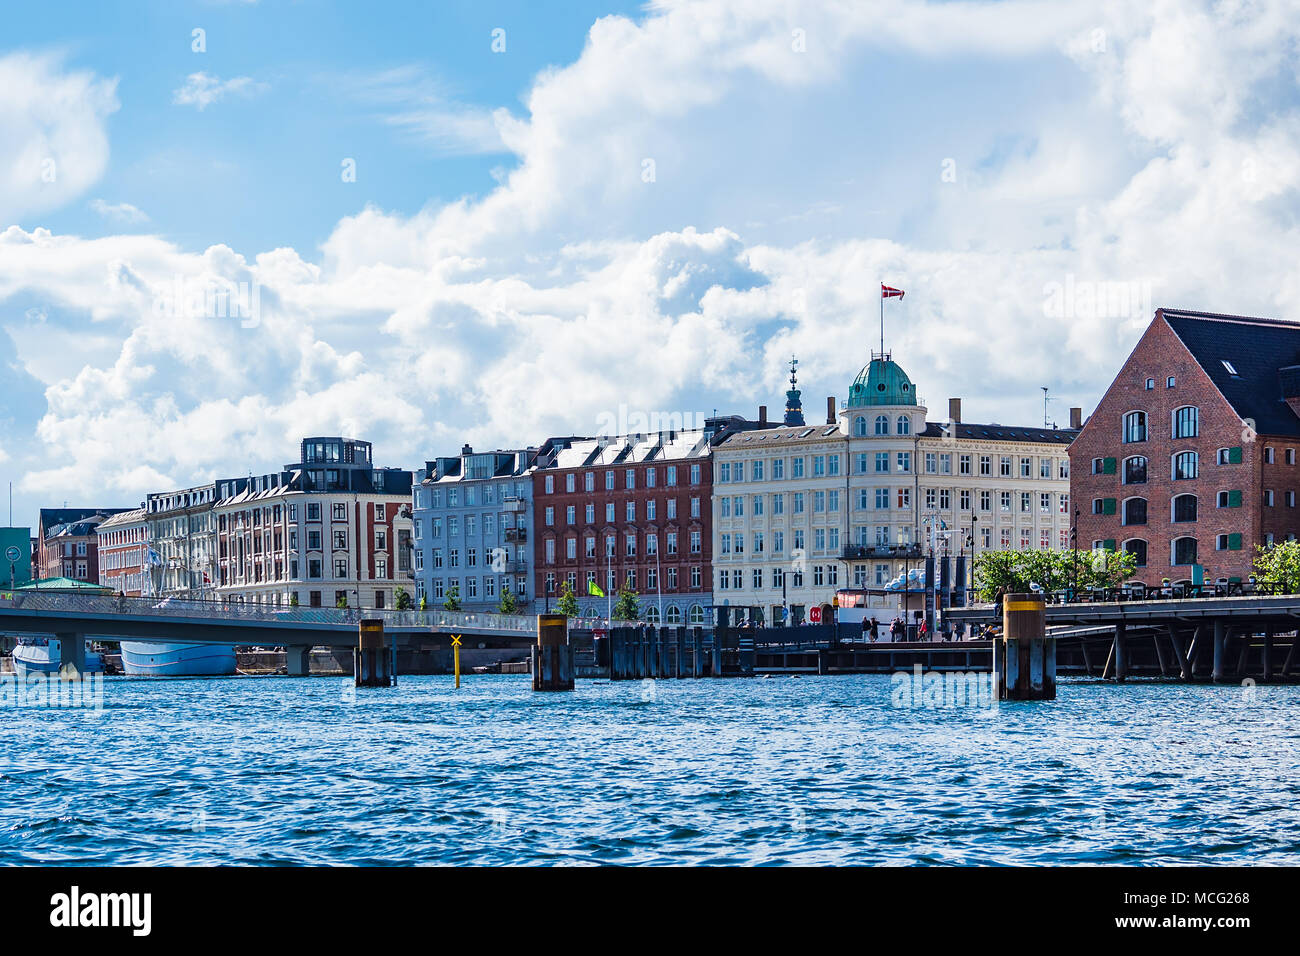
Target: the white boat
(41, 655)
(166, 659)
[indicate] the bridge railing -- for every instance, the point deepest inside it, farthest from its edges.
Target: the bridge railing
(263, 613)
(1164, 592)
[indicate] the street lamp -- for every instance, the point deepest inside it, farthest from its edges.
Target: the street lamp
(1074, 550)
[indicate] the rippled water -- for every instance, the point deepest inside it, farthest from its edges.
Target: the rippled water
(778, 770)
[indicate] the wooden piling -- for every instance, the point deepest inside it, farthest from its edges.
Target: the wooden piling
(1121, 653)
(1220, 640)
(374, 665)
(1176, 641)
(1024, 657)
(1266, 656)
(553, 654)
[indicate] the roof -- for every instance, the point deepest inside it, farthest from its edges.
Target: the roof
(996, 432)
(62, 584)
(770, 437)
(135, 516)
(51, 517)
(1257, 350)
(882, 382)
(634, 449)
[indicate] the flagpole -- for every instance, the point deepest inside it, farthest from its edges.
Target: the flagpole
(882, 321)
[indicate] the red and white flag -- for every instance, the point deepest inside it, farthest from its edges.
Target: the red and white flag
(886, 292)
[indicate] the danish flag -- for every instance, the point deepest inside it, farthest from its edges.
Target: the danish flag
(887, 292)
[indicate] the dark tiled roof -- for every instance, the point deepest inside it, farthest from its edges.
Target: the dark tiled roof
(995, 432)
(1256, 349)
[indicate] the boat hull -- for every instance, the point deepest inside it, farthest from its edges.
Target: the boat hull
(42, 657)
(163, 659)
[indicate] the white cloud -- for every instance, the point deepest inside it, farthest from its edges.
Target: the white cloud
(122, 212)
(562, 293)
(201, 90)
(53, 124)
(410, 99)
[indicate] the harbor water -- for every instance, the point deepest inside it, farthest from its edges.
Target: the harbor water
(765, 771)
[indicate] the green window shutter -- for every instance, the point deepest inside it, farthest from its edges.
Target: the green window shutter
(1234, 542)
(1108, 468)
(1109, 544)
(1234, 455)
(1234, 499)
(1108, 506)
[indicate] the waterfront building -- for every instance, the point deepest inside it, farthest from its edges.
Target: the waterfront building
(633, 510)
(473, 523)
(69, 547)
(863, 497)
(327, 529)
(181, 560)
(1188, 461)
(122, 546)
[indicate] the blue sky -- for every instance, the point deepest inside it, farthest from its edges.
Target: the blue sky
(643, 206)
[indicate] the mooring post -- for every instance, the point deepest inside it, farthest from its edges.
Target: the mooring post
(697, 651)
(1121, 653)
(681, 652)
(1024, 663)
(373, 663)
(1266, 664)
(72, 656)
(1220, 639)
(552, 654)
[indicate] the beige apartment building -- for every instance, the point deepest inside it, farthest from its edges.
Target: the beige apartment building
(863, 498)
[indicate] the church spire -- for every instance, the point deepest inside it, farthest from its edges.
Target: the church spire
(793, 407)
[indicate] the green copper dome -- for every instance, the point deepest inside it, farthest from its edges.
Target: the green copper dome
(882, 382)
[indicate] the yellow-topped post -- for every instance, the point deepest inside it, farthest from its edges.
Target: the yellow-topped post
(553, 654)
(1024, 656)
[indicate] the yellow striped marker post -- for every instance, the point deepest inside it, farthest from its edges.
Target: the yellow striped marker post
(455, 650)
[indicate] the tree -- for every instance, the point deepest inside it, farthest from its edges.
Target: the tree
(509, 603)
(627, 607)
(401, 599)
(452, 603)
(293, 599)
(424, 602)
(342, 602)
(1278, 565)
(1015, 571)
(568, 601)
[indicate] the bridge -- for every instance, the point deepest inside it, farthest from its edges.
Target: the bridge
(1219, 637)
(74, 617)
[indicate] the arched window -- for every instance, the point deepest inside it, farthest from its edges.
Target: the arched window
(697, 614)
(673, 615)
(1135, 511)
(904, 426)
(859, 427)
(1184, 508)
(1183, 551)
(1135, 427)
(1138, 548)
(592, 612)
(1184, 465)
(1135, 470)
(1186, 424)
(882, 424)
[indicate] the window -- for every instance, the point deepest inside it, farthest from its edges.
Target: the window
(1169, 382)
(1135, 511)
(1229, 456)
(904, 425)
(1184, 465)
(882, 424)
(1184, 508)
(1135, 470)
(1185, 422)
(1268, 456)
(1183, 551)
(1229, 499)
(859, 427)
(1135, 427)
(1138, 548)
(1151, 383)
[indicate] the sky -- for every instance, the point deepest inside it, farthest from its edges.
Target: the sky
(488, 223)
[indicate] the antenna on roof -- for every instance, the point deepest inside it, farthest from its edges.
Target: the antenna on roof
(1046, 423)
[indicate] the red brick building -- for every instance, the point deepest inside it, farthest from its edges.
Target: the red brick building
(69, 547)
(632, 509)
(1190, 459)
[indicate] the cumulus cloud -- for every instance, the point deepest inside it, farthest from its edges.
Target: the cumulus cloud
(53, 124)
(1166, 160)
(201, 90)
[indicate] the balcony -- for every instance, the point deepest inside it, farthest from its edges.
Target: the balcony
(854, 552)
(513, 505)
(515, 567)
(516, 534)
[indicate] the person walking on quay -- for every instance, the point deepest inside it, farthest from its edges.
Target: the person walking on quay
(921, 633)
(895, 626)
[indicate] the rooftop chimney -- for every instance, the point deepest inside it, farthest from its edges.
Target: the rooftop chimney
(954, 410)
(762, 414)
(830, 410)
(1076, 418)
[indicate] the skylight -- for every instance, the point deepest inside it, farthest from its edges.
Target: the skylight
(1228, 366)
